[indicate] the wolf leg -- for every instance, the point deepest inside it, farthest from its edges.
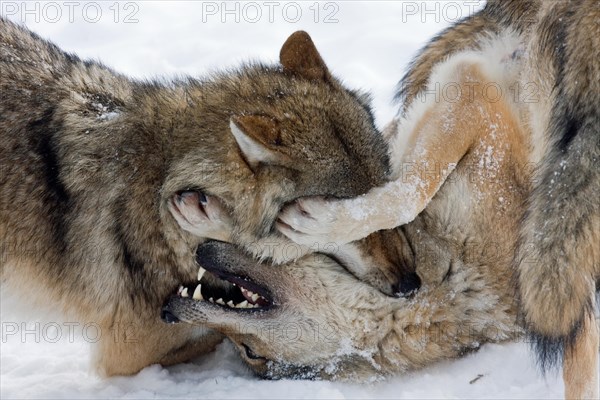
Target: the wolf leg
(580, 364)
(441, 133)
(201, 215)
(129, 347)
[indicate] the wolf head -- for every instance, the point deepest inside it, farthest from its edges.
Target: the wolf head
(311, 319)
(275, 133)
(306, 320)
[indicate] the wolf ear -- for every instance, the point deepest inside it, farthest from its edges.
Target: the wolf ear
(258, 138)
(300, 57)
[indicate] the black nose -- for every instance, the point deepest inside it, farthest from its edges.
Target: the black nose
(168, 317)
(409, 284)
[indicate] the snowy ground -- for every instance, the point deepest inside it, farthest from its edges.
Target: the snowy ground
(368, 44)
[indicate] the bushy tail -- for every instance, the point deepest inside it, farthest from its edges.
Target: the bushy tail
(558, 261)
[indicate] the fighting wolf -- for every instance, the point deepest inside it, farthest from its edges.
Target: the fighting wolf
(557, 261)
(108, 184)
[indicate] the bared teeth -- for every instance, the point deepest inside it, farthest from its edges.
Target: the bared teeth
(251, 295)
(252, 299)
(201, 272)
(197, 293)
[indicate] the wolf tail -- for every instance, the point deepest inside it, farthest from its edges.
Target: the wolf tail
(558, 260)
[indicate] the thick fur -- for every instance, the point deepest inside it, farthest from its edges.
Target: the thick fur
(558, 259)
(561, 231)
(91, 163)
(563, 52)
(496, 16)
(326, 324)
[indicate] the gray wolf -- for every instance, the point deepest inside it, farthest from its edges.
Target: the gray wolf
(311, 318)
(108, 184)
(558, 258)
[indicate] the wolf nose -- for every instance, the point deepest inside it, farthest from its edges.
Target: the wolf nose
(168, 317)
(408, 285)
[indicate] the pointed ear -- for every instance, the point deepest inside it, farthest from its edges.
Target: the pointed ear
(258, 138)
(300, 57)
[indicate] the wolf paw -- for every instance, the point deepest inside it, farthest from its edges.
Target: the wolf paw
(313, 221)
(201, 215)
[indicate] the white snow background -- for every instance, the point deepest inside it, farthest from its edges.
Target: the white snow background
(369, 45)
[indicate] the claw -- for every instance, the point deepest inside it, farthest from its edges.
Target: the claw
(201, 215)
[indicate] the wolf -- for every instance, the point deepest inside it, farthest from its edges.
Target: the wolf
(558, 259)
(312, 318)
(109, 184)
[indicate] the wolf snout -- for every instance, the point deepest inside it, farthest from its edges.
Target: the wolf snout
(210, 253)
(223, 258)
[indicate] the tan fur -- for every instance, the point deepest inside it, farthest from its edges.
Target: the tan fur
(466, 35)
(91, 163)
(581, 363)
(391, 255)
(557, 269)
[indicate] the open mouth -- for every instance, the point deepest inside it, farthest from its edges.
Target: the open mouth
(227, 290)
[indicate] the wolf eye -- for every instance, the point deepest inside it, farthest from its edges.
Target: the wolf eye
(250, 354)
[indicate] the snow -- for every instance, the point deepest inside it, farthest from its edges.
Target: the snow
(369, 46)
(42, 369)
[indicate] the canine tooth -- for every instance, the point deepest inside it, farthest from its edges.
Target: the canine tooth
(201, 272)
(243, 304)
(220, 301)
(184, 293)
(211, 300)
(230, 304)
(255, 297)
(197, 293)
